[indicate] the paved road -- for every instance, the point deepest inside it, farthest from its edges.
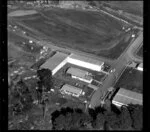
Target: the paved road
(119, 65)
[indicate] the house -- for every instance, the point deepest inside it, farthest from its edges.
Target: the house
(85, 62)
(125, 97)
(79, 74)
(140, 67)
(56, 62)
(71, 90)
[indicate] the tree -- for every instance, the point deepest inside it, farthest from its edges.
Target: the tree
(100, 120)
(126, 121)
(71, 120)
(21, 98)
(136, 112)
(45, 78)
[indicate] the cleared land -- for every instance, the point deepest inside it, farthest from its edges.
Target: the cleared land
(87, 31)
(140, 52)
(22, 13)
(20, 50)
(131, 79)
(134, 7)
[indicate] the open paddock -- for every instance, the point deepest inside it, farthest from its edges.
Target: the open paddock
(86, 31)
(131, 79)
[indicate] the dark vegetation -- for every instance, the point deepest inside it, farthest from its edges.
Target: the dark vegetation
(108, 117)
(88, 31)
(98, 118)
(131, 79)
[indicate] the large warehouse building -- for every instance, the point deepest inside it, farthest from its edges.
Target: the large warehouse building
(55, 62)
(85, 62)
(79, 74)
(125, 97)
(71, 90)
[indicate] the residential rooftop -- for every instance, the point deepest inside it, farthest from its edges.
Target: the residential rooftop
(79, 73)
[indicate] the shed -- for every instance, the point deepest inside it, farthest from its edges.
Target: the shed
(125, 97)
(80, 74)
(55, 62)
(68, 89)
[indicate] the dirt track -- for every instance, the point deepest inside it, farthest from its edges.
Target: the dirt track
(21, 13)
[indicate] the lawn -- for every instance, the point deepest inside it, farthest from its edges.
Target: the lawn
(134, 7)
(131, 79)
(86, 31)
(140, 52)
(20, 49)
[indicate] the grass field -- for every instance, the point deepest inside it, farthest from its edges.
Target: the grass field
(131, 79)
(140, 52)
(81, 30)
(134, 7)
(25, 54)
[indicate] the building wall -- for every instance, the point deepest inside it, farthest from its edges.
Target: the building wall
(85, 64)
(118, 104)
(82, 79)
(59, 66)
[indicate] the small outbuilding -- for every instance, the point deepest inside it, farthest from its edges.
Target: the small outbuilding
(79, 74)
(71, 90)
(140, 67)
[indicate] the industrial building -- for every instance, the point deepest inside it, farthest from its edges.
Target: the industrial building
(79, 74)
(140, 67)
(85, 62)
(125, 97)
(71, 90)
(55, 62)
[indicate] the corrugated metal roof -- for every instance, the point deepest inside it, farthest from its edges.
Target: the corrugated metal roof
(86, 59)
(71, 89)
(79, 73)
(54, 61)
(124, 96)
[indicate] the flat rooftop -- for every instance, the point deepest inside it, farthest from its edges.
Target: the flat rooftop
(86, 59)
(125, 97)
(54, 61)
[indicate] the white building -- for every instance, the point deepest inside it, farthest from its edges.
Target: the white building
(85, 62)
(55, 62)
(71, 90)
(125, 97)
(140, 67)
(80, 74)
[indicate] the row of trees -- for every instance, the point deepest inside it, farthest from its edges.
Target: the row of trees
(127, 118)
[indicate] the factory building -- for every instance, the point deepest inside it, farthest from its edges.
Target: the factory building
(85, 62)
(55, 62)
(125, 97)
(79, 74)
(71, 90)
